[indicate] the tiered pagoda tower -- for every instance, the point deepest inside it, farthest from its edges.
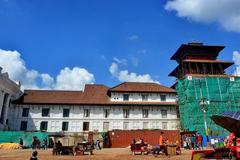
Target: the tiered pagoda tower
(203, 87)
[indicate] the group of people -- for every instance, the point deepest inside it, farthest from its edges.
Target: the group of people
(36, 143)
(160, 147)
(217, 141)
(192, 141)
(94, 145)
(58, 147)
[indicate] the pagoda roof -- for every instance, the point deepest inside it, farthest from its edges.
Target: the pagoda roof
(209, 61)
(196, 49)
(225, 64)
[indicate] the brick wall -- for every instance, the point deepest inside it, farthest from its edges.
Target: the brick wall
(120, 138)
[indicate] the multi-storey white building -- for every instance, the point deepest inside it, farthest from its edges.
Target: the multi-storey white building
(128, 106)
(9, 91)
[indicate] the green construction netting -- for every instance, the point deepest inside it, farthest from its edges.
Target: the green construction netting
(214, 94)
(14, 137)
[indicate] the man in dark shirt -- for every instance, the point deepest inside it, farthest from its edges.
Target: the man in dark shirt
(59, 147)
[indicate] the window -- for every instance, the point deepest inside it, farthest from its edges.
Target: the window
(145, 125)
(178, 113)
(25, 112)
(64, 126)
(125, 125)
(86, 112)
(144, 97)
(106, 113)
(163, 98)
(125, 97)
(164, 125)
(145, 113)
(44, 125)
(126, 113)
(66, 112)
(105, 126)
(164, 113)
(85, 126)
(45, 112)
(23, 126)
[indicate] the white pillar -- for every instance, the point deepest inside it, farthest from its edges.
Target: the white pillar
(1, 101)
(6, 109)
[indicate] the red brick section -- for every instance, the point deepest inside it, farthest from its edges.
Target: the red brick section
(119, 138)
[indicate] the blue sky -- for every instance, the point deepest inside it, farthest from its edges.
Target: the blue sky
(107, 41)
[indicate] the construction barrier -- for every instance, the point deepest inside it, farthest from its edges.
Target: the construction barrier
(14, 137)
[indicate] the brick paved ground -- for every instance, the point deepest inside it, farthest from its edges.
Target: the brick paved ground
(105, 154)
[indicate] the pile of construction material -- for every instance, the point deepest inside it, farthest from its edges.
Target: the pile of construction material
(9, 146)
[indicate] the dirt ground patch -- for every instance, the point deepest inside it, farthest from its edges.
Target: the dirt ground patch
(104, 154)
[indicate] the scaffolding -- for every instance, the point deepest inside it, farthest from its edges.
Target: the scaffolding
(219, 94)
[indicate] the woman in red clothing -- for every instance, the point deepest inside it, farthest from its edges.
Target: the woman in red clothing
(199, 140)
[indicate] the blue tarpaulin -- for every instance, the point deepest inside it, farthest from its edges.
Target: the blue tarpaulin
(14, 137)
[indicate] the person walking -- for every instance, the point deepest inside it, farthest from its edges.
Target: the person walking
(58, 148)
(199, 140)
(188, 141)
(98, 146)
(21, 143)
(45, 143)
(193, 141)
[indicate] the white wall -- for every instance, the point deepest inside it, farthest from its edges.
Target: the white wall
(96, 119)
(137, 97)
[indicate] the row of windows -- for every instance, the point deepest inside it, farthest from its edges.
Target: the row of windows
(106, 113)
(46, 112)
(44, 126)
(144, 97)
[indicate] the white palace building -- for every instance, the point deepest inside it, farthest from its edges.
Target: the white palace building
(127, 106)
(9, 91)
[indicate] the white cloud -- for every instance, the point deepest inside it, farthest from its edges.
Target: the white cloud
(236, 59)
(237, 71)
(74, 79)
(113, 69)
(224, 12)
(120, 61)
(125, 76)
(12, 63)
(133, 37)
(47, 80)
